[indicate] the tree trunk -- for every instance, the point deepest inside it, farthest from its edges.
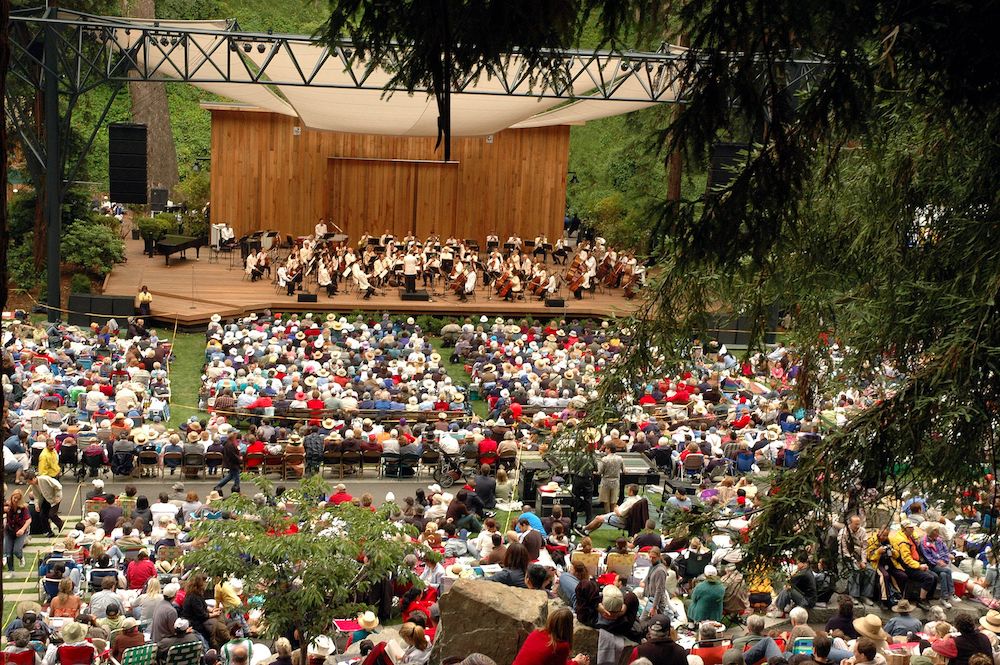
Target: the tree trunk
(675, 161)
(149, 107)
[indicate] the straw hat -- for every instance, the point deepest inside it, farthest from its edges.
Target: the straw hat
(214, 496)
(73, 632)
(903, 606)
(322, 646)
(991, 621)
(368, 621)
(870, 625)
(551, 486)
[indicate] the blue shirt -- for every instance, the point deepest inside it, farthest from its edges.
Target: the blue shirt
(13, 444)
(533, 520)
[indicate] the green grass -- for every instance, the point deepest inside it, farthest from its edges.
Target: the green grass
(458, 374)
(185, 376)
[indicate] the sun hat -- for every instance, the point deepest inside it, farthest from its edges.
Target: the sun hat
(73, 632)
(322, 646)
(711, 571)
(903, 606)
(368, 620)
(612, 598)
(870, 625)
(991, 621)
(129, 623)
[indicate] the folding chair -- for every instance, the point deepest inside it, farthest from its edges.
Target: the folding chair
(188, 653)
(710, 651)
(76, 655)
(144, 654)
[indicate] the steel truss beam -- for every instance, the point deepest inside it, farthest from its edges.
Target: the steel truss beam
(130, 51)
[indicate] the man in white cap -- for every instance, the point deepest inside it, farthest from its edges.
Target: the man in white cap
(97, 491)
(182, 634)
(165, 614)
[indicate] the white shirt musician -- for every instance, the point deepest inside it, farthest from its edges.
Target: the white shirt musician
(321, 229)
(526, 265)
(325, 279)
(362, 281)
(515, 287)
(514, 240)
(493, 237)
(591, 266)
(551, 286)
(251, 266)
(470, 285)
(410, 272)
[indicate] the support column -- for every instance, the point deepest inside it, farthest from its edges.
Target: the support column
(53, 174)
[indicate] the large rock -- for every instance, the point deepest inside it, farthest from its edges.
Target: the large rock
(489, 618)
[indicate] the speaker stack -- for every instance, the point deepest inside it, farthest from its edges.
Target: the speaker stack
(725, 162)
(420, 296)
(127, 163)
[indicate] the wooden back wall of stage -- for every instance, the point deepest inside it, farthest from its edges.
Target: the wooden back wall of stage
(266, 177)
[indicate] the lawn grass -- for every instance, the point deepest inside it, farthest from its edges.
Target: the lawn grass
(185, 377)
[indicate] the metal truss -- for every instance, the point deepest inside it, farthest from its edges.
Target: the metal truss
(98, 49)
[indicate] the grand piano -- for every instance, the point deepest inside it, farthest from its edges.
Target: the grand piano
(171, 244)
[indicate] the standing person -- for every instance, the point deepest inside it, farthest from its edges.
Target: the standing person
(410, 271)
(609, 468)
(232, 462)
(852, 543)
(551, 645)
(16, 527)
(145, 300)
(46, 493)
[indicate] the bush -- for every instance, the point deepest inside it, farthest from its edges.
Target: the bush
(93, 247)
(21, 265)
(151, 228)
(80, 283)
(195, 190)
(195, 224)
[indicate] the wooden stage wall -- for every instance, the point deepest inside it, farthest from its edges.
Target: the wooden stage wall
(266, 177)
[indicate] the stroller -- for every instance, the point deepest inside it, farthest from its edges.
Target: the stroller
(448, 470)
(122, 463)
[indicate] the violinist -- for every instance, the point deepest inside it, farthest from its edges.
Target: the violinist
(468, 285)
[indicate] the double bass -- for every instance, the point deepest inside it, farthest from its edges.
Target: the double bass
(504, 284)
(574, 280)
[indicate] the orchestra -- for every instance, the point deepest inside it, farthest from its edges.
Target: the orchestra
(514, 270)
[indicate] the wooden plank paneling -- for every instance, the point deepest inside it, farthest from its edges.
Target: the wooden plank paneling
(264, 176)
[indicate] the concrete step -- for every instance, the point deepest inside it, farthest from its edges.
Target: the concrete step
(820, 615)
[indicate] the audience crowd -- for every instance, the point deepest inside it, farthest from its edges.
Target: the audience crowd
(655, 589)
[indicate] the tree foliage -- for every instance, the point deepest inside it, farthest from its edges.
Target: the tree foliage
(303, 579)
(866, 207)
(94, 246)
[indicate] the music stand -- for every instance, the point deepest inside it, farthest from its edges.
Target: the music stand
(509, 246)
(373, 241)
(492, 244)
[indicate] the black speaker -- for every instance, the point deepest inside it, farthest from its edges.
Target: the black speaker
(555, 302)
(307, 297)
(127, 162)
(725, 160)
(158, 199)
(102, 305)
(421, 296)
(122, 305)
(79, 305)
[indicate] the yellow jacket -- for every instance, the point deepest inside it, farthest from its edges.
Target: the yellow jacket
(904, 553)
(48, 463)
(874, 549)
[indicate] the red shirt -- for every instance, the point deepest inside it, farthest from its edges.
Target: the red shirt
(488, 447)
(516, 410)
(538, 650)
(647, 399)
(340, 497)
(139, 572)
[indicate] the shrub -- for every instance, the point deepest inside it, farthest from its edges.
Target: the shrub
(195, 224)
(195, 190)
(151, 228)
(93, 247)
(80, 283)
(21, 265)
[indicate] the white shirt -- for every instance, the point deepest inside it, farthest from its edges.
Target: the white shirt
(158, 509)
(409, 264)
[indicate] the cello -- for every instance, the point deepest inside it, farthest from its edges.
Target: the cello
(504, 285)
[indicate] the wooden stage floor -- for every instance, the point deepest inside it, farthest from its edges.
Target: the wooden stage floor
(189, 291)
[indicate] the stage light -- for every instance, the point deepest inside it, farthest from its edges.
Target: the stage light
(625, 65)
(232, 46)
(261, 48)
(164, 41)
(246, 47)
(348, 53)
(128, 31)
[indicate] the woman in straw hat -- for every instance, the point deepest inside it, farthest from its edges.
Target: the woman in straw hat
(369, 624)
(870, 626)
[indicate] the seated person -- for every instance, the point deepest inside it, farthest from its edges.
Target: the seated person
(616, 517)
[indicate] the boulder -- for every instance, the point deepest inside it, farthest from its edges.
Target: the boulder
(585, 640)
(489, 618)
